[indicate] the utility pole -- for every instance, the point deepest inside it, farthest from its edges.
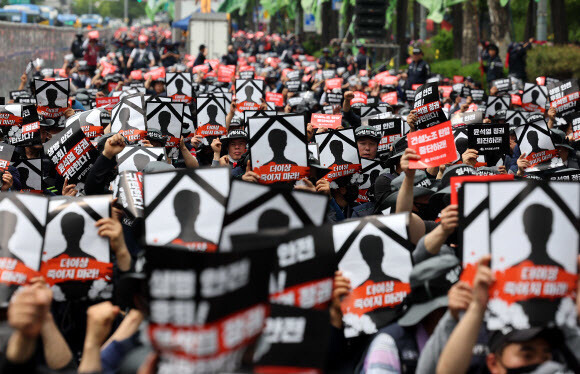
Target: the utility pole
(423, 26)
(542, 15)
(126, 12)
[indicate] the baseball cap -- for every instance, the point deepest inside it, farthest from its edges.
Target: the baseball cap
(399, 147)
(559, 139)
(367, 132)
(422, 186)
(236, 134)
(430, 281)
(417, 50)
(498, 339)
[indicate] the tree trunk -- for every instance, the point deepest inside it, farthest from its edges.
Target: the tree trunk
(416, 19)
(530, 29)
(327, 19)
(559, 24)
(401, 30)
(469, 39)
(499, 20)
(457, 14)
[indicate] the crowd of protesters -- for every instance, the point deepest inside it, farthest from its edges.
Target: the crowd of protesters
(437, 334)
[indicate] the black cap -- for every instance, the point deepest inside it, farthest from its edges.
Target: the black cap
(399, 147)
(417, 50)
(498, 340)
(326, 50)
(367, 132)
(236, 134)
(559, 139)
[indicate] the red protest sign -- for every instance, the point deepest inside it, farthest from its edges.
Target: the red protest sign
(276, 98)
(333, 83)
(156, 73)
(226, 73)
(359, 97)
(329, 121)
(446, 90)
(200, 69)
(106, 101)
(389, 98)
(458, 79)
(456, 182)
(435, 145)
(516, 100)
(137, 75)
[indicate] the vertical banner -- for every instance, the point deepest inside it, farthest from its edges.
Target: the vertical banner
(51, 97)
(76, 261)
(205, 310)
(72, 153)
(278, 148)
(375, 255)
(185, 208)
(534, 243)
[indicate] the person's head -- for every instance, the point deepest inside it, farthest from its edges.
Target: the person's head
(72, 226)
(142, 44)
(371, 249)
(367, 141)
(230, 48)
(493, 50)
(203, 50)
(159, 86)
(186, 205)
(326, 51)
(9, 221)
(336, 148)
(236, 148)
(277, 139)
(417, 54)
(538, 223)
(519, 349)
(532, 137)
(273, 219)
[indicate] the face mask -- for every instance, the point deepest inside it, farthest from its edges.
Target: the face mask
(523, 369)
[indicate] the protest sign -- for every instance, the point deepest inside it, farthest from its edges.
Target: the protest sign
(30, 171)
(271, 140)
(391, 128)
(247, 74)
(536, 269)
(503, 85)
(107, 102)
(515, 118)
(51, 97)
(276, 98)
(211, 116)
(166, 118)
(185, 208)
(294, 341)
(249, 94)
(477, 95)
(535, 141)
(128, 118)
(534, 98)
(22, 227)
(328, 73)
(564, 96)
(333, 83)
(466, 118)
(573, 120)
(128, 189)
(370, 170)
(188, 127)
(135, 158)
(254, 207)
(293, 86)
(258, 113)
(375, 255)
(435, 145)
(329, 121)
(6, 152)
(19, 124)
(179, 87)
(76, 262)
(223, 299)
(566, 175)
(90, 122)
(71, 153)
(334, 98)
(360, 99)
(338, 152)
(225, 73)
(368, 111)
(495, 104)
(428, 107)
(489, 138)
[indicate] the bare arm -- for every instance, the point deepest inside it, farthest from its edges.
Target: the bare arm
(56, 351)
(190, 161)
(449, 222)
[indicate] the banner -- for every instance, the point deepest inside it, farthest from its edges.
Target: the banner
(435, 145)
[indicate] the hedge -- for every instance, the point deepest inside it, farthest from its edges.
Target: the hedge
(560, 62)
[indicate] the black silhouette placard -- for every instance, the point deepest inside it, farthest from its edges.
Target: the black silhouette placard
(534, 98)
(278, 148)
(135, 158)
(338, 152)
(249, 94)
(71, 152)
(179, 87)
(211, 115)
(128, 118)
(515, 118)
(535, 141)
(535, 278)
(375, 255)
(254, 207)
(51, 97)
(91, 122)
(166, 118)
(185, 208)
(76, 261)
(497, 103)
(30, 175)
(370, 170)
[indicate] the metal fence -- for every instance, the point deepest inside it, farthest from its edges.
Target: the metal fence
(21, 43)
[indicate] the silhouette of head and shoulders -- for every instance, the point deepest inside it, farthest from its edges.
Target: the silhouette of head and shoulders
(51, 96)
(372, 251)
(164, 119)
(9, 221)
(278, 140)
(212, 112)
(124, 117)
(337, 150)
(532, 137)
(24, 174)
(179, 86)
(535, 94)
(72, 226)
(273, 219)
(249, 91)
(186, 205)
(498, 106)
(140, 160)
